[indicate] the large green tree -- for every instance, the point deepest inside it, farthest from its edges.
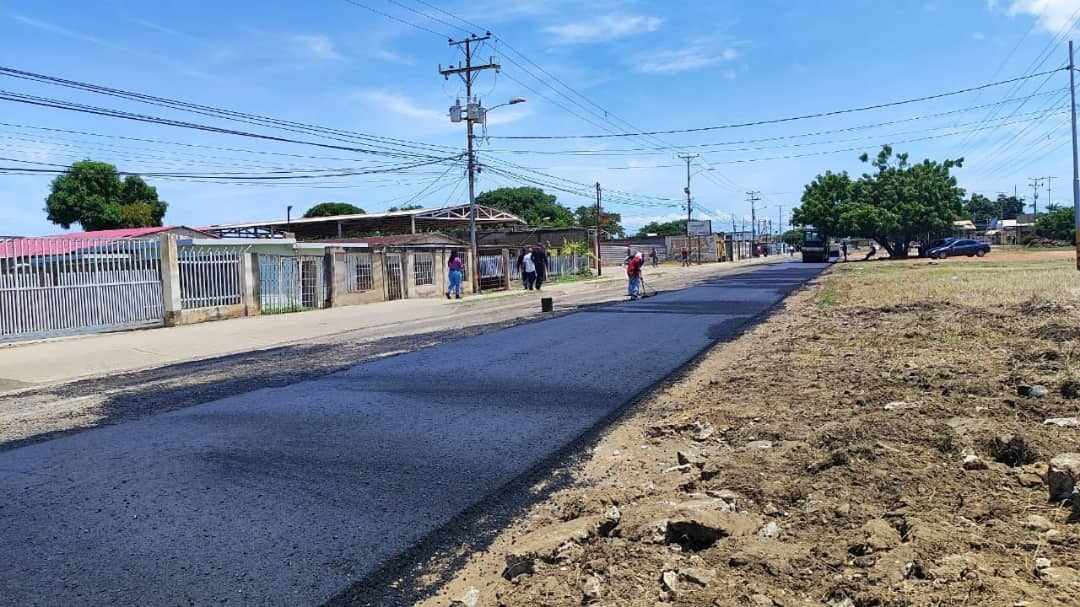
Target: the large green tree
(404, 207)
(92, 195)
(536, 207)
(666, 228)
(894, 205)
(981, 208)
(333, 209)
(1056, 223)
(585, 216)
(1009, 207)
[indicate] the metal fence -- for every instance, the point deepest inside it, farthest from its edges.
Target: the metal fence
(210, 276)
(61, 286)
(423, 269)
(558, 265)
(279, 284)
(358, 274)
(492, 271)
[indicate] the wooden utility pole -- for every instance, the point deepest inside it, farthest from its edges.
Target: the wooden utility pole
(599, 260)
(753, 198)
(1035, 183)
(1076, 175)
(473, 113)
(689, 205)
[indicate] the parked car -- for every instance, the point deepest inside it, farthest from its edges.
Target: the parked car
(971, 248)
(926, 247)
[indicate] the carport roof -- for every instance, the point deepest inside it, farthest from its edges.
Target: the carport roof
(484, 214)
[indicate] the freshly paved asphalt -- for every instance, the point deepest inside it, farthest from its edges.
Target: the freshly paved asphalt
(284, 496)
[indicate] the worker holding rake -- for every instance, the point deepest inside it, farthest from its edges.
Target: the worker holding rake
(635, 261)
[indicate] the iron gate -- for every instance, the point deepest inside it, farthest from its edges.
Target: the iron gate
(394, 280)
(64, 286)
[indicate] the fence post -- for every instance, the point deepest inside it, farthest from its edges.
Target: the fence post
(506, 268)
(170, 279)
(249, 277)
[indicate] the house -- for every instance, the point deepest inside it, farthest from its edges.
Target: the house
(1010, 231)
(965, 228)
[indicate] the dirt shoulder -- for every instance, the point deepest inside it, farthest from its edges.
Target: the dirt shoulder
(879, 441)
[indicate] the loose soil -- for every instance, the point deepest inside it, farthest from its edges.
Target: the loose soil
(866, 446)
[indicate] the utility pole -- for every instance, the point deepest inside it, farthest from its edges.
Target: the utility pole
(473, 113)
(689, 204)
(598, 259)
(1035, 183)
(1049, 200)
(780, 225)
(1076, 175)
(734, 245)
(752, 197)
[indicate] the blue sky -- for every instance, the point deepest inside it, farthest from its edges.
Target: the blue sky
(654, 64)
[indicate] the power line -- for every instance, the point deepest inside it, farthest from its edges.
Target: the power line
(792, 118)
(397, 19)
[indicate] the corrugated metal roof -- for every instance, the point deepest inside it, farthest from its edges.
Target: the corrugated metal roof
(73, 241)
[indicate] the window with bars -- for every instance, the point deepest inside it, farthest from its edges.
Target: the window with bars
(424, 269)
(359, 276)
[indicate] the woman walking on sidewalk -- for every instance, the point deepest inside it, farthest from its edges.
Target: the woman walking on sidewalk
(456, 273)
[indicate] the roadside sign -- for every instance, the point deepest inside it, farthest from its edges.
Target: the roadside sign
(700, 228)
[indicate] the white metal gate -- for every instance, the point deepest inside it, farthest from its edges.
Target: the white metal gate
(291, 283)
(64, 286)
(395, 281)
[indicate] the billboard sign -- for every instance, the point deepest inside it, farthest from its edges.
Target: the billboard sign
(700, 228)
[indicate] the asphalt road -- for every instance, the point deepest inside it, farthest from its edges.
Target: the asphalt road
(287, 495)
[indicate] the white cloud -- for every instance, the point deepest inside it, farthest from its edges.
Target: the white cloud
(978, 36)
(604, 28)
(682, 60)
(1052, 15)
(316, 46)
(417, 114)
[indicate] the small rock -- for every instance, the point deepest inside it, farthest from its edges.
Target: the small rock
(974, 462)
(1036, 522)
(710, 471)
(697, 576)
(836, 458)
(687, 458)
(900, 405)
(469, 599)
(1063, 476)
(591, 590)
(760, 600)
(1042, 563)
(609, 522)
(875, 536)
(770, 530)
(843, 509)
(703, 431)
(759, 444)
(681, 468)
(1032, 391)
(1029, 480)
(669, 581)
(771, 510)
(1060, 577)
(1070, 389)
(864, 562)
(1064, 422)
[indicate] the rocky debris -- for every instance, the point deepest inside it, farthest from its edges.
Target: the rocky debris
(875, 536)
(770, 530)
(760, 600)
(609, 521)
(698, 430)
(955, 567)
(702, 431)
(836, 458)
(1070, 389)
(546, 544)
(1037, 522)
(1031, 391)
(696, 528)
(689, 458)
(669, 581)
(591, 590)
(1063, 475)
(900, 405)
(710, 471)
(1012, 450)
(759, 444)
(894, 566)
(697, 576)
(974, 462)
(1060, 577)
(1042, 563)
(1064, 422)
(1029, 476)
(469, 599)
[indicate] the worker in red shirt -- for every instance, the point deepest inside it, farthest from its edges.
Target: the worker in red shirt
(633, 273)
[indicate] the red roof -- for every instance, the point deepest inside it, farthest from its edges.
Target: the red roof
(73, 241)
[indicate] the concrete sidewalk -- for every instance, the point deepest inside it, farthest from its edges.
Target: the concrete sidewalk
(66, 359)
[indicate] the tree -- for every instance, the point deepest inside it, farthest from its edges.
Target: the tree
(1009, 207)
(981, 208)
(333, 209)
(536, 207)
(1056, 224)
(894, 205)
(585, 217)
(792, 237)
(667, 228)
(92, 195)
(404, 207)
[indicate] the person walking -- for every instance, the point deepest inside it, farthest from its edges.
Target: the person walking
(871, 252)
(654, 258)
(843, 249)
(685, 257)
(527, 268)
(456, 273)
(540, 263)
(633, 274)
